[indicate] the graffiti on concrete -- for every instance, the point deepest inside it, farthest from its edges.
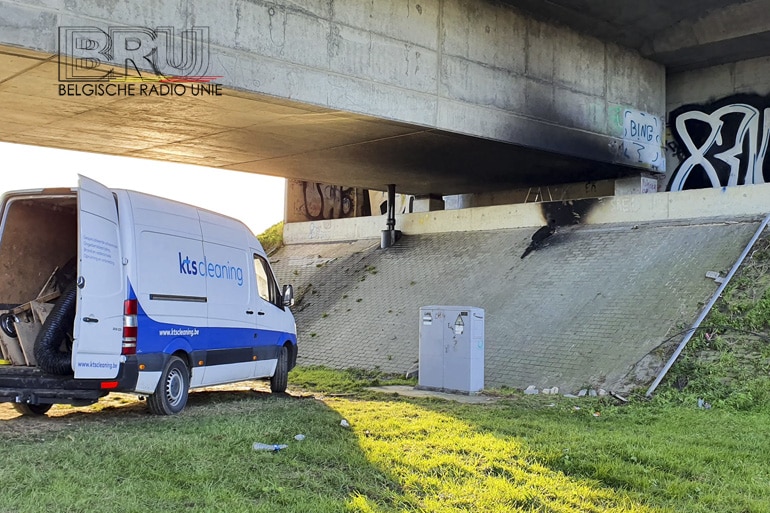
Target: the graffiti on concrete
(327, 201)
(315, 201)
(379, 201)
(642, 138)
(648, 185)
(312, 201)
(720, 145)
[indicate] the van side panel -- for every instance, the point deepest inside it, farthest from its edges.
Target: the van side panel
(223, 230)
(169, 288)
(228, 286)
(193, 279)
(158, 214)
(160, 230)
(167, 235)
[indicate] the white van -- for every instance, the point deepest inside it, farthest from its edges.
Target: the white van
(107, 290)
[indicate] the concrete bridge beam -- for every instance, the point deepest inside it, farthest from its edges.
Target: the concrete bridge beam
(481, 69)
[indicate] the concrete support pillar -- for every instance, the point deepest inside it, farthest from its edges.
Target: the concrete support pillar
(428, 203)
(458, 201)
(638, 184)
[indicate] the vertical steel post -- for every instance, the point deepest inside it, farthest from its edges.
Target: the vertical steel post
(389, 235)
(391, 207)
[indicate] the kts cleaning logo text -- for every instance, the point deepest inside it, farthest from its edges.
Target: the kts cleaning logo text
(204, 268)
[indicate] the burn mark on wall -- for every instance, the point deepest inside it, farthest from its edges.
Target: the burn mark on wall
(570, 212)
(563, 213)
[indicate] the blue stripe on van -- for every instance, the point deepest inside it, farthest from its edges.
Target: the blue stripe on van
(159, 337)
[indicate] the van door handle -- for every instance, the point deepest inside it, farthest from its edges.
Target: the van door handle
(90, 319)
(260, 313)
(250, 312)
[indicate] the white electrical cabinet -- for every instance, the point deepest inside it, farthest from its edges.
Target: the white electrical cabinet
(451, 349)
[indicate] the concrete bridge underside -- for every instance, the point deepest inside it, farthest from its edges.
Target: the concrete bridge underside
(256, 133)
(439, 97)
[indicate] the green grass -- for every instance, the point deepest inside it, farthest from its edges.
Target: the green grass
(727, 362)
(324, 380)
(518, 453)
(201, 460)
(272, 238)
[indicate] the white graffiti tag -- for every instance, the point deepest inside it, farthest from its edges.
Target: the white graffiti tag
(745, 153)
(641, 142)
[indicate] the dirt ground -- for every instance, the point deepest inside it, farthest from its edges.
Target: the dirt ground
(116, 408)
(121, 408)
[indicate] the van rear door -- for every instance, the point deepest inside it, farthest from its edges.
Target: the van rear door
(98, 329)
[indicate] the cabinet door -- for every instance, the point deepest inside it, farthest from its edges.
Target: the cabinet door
(433, 326)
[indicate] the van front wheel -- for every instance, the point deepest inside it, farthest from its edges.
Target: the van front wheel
(281, 377)
(170, 395)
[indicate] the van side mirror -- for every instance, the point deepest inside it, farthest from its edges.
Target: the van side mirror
(288, 295)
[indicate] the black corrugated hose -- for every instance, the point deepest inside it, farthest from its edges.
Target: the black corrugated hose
(56, 334)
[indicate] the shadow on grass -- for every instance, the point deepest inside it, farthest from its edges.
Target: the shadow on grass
(117, 453)
(131, 405)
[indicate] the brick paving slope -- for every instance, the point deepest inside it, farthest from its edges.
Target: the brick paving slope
(579, 312)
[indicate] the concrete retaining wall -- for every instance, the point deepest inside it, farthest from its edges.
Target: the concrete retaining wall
(710, 84)
(702, 203)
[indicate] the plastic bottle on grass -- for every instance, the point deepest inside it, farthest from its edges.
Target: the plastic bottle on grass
(268, 447)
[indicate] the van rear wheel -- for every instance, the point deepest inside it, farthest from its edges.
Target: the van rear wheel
(170, 395)
(33, 410)
(281, 377)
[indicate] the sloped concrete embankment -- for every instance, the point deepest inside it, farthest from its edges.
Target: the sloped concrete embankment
(583, 310)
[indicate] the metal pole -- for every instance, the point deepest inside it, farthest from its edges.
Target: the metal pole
(391, 206)
(389, 234)
(707, 308)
